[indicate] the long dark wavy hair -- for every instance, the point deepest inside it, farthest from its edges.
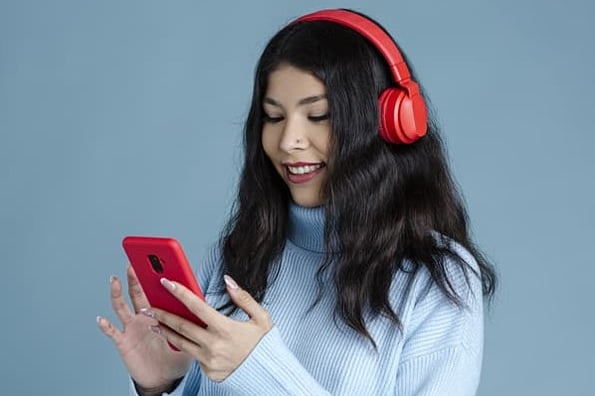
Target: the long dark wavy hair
(385, 204)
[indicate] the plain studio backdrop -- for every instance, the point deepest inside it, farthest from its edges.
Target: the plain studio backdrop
(125, 117)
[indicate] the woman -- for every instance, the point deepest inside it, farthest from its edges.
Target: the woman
(346, 267)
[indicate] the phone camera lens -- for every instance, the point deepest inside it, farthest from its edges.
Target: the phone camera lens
(156, 263)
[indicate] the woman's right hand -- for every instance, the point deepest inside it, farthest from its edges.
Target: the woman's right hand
(149, 359)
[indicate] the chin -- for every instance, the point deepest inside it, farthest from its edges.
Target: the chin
(307, 202)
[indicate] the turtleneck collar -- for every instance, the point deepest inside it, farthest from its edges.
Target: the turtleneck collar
(306, 227)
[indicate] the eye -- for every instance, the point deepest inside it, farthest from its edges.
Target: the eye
(319, 118)
(270, 119)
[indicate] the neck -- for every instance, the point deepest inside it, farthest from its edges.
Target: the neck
(306, 227)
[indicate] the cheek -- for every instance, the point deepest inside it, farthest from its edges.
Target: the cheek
(270, 147)
(322, 143)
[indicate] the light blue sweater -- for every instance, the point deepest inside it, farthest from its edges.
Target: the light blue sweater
(307, 353)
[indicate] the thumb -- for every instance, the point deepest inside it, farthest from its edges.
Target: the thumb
(243, 300)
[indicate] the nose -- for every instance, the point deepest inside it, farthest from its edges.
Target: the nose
(294, 136)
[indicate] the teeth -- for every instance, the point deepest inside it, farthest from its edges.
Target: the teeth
(300, 170)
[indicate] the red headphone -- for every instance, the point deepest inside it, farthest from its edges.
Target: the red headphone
(403, 115)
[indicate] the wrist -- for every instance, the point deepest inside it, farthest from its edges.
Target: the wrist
(157, 390)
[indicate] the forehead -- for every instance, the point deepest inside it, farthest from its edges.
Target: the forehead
(288, 82)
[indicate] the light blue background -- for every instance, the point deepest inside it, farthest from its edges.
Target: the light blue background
(124, 117)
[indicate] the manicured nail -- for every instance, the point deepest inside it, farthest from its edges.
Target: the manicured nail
(168, 285)
(230, 282)
(147, 312)
(155, 329)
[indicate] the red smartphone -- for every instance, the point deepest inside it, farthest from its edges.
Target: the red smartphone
(153, 258)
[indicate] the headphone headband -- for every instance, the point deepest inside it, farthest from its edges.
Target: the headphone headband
(373, 33)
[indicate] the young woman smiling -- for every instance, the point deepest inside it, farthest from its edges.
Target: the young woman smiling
(346, 267)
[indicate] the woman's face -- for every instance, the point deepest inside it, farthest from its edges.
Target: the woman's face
(296, 131)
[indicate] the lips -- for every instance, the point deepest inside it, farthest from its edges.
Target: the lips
(302, 172)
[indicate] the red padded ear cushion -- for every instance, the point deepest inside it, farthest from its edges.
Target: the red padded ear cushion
(402, 118)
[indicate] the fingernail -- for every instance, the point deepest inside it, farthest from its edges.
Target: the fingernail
(167, 284)
(155, 329)
(147, 312)
(112, 278)
(230, 282)
(98, 319)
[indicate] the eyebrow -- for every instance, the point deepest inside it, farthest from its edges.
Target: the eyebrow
(301, 102)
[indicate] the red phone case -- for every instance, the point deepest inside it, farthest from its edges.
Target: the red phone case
(154, 258)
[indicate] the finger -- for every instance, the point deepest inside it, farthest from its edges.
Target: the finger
(195, 304)
(180, 342)
(243, 300)
(182, 326)
(109, 329)
(118, 303)
(135, 291)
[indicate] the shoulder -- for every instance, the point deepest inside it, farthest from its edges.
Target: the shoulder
(456, 269)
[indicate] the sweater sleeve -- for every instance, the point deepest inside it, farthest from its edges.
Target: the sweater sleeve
(272, 369)
(442, 354)
(450, 371)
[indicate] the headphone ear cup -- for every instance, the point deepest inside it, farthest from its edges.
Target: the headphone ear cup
(403, 119)
(388, 104)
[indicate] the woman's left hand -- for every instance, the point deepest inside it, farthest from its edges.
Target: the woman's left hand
(225, 343)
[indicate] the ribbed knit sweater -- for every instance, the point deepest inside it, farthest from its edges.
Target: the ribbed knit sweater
(308, 353)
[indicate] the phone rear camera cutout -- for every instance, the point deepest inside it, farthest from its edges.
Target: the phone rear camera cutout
(156, 263)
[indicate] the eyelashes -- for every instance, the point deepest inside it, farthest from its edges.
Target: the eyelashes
(274, 120)
(319, 118)
(271, 120)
